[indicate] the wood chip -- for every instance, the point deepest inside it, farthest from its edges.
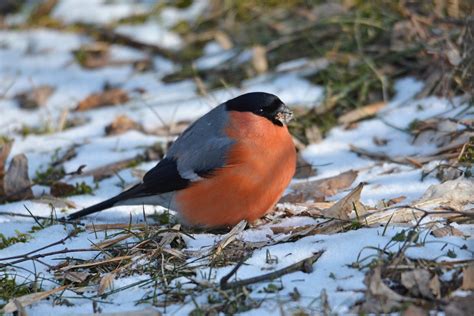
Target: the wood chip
(17, 184)
(361, 113)
(122, 124)
(108, 97)
(35, 98)
(29, 299)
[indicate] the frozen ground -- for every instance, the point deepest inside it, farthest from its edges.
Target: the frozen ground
(32, 58)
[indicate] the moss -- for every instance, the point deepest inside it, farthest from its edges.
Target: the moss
(8, 241)
(10, 289)
(82, 188)
(49, 176)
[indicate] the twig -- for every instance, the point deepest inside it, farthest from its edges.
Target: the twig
(59, 220)
(305, 265)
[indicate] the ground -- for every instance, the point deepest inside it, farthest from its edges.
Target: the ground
(380, 218)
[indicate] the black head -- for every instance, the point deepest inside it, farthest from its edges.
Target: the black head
(263, 104)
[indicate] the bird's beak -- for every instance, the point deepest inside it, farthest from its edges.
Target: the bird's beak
(284, 114)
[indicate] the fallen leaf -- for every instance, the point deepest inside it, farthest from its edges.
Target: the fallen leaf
(446, 231)
(346, 205)
(396, 200)
(5, 148)
(379, 298)
(34, 98)
(59, 189)
(459, 191)
(361, 113)
(468, 278)
(319, 189)
(460, 306)
(303, 169)
(259, 59)
(76, 277)
(106, 282)
(17, 184)
(29, 299)
(121, 124)
(108, 97)
(93, 55)
(418, 283)
(414, 310)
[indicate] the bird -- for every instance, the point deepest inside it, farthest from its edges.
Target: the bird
(232, 164)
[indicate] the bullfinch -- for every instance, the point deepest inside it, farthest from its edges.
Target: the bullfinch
(231, 164)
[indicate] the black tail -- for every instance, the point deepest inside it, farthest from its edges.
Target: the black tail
(95, 208)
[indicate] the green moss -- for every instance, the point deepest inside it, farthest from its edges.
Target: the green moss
(49, 176)
(8, 241)
(82, 188)
(10, 289)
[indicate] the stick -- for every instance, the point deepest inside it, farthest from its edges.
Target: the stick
(305, 265)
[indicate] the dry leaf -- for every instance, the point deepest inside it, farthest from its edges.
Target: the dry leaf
(396, 200)
(460, 306)
(76, 277)
(417, 282)
(446, 231)
(93, 55)
(414, 310)
(106, 282)
(17, 184)
(318, 189)
(459, 191)
(29, 299)
(379, 298)
(5, 148)
(468, 278)
(303, 169)
(223, 39)
(346, 205)
(108, 97)
(361, 113)
(121, 124)
(259, 59)
(35, 98)
(59, 189)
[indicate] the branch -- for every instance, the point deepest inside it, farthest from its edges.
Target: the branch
(305, 265)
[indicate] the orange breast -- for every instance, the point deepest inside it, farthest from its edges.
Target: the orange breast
(259, 167)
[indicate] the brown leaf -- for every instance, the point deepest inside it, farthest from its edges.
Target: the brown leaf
(93, 55)
(379, 298)
(76, 277)
(346, 205)
(303, 169)
(460, 306)
(417, 282)
(106, 282)
(259, 59)
(59, 189)
(121, 124)
(446, 231)
(17, 184)
(108, 97)
(468, 278)
(29, 299)
(396, 200)
(414, 310)
(5, 148)
(361, 113)
(35, 98)
(318, 189)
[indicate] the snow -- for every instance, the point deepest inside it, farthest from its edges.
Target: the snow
(32, 58)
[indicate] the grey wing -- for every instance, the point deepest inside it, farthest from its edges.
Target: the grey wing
(202, 147)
